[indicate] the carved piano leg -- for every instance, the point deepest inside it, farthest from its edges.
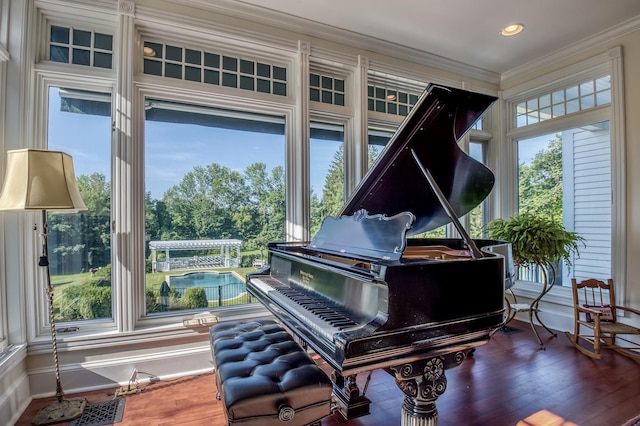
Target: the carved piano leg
(423, 382)
(349, 402)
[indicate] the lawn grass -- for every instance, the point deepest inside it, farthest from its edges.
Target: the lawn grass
(153, 281)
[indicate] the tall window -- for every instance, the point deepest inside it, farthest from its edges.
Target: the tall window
(79, 123)
(377, 140)
(477, 216)
(566, 175)
(215, 196)
(326, 172)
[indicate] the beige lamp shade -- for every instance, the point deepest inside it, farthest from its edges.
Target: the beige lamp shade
(38, 179)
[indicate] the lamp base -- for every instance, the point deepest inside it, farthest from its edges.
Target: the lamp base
(60, 411)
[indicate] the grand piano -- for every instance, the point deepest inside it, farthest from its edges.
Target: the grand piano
(364, 296)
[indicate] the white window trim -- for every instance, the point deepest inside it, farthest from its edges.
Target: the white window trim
(147, 87)
(611, 63)
(4, 340)
(48, 76)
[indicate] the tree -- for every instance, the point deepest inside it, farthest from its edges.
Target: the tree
(333, 199)
(87, 233)
(540, 183)
(268, 203)
(333, 190)
(202, 205)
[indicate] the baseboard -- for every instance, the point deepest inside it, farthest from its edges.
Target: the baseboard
(113, 373)
(15, 393)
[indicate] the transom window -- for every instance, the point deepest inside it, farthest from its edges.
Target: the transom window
(79, 47)
(578, 97)
(214, 68)
(390, 101)
(326, 89)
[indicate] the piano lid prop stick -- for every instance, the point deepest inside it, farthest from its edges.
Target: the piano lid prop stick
(475, 252)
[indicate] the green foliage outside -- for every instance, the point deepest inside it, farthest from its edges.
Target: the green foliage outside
(195, 297)
(216, 202)
(86, 301)
(540, 183)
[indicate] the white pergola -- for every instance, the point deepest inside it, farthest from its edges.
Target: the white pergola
(225, 247)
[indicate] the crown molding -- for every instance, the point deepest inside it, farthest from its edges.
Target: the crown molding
(238, 9)
(574, 49)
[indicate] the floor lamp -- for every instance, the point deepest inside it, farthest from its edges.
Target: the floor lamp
(44, 180)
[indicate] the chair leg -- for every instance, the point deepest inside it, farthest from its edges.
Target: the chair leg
(575, 339)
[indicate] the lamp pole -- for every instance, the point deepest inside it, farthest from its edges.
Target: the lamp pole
(62, 409)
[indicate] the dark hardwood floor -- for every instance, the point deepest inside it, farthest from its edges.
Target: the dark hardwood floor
(508, 381)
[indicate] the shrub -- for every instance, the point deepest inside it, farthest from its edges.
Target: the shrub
(85, 301)
(195, 297)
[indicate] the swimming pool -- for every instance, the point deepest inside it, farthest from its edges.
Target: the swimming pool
(216, 285)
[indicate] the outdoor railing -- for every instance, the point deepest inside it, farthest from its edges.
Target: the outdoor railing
(223, 295)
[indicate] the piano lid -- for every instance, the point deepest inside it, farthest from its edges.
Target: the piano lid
(395, 183)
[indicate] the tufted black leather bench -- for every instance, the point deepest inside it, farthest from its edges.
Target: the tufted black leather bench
(265, 378)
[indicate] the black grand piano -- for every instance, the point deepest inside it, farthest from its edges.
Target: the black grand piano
(364, 296)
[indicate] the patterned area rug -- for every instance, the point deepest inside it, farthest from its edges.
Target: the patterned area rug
(101, 413)
(509, 330)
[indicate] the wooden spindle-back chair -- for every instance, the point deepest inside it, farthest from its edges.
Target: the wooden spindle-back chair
(597, 322)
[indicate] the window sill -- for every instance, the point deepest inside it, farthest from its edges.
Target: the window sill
(530, 290)
(162, 328)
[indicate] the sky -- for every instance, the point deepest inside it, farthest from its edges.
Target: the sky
(173, 149)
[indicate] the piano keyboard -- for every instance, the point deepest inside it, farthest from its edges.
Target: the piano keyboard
(322, 315)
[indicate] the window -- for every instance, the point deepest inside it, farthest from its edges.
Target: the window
(478, 216)
(377, 140)
(567, 134)
(326, 172)
(80, 243)
(585, 95)
(215, 196)
(203, 66)
(80, 47)
(326, 89)
(4, 343)
(566, 175)
(390, 100)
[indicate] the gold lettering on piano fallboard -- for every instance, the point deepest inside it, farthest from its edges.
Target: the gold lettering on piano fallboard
(306, 277)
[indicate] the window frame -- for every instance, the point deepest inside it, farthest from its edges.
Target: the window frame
(44, 80)
(4, 332)
(609, 62)
(148, 87)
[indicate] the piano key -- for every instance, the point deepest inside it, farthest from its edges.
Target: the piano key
(325, 327)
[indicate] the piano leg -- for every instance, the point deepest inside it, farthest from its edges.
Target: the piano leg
(422, 382)
(348, 400)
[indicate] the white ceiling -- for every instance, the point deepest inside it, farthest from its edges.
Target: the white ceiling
(465, 31)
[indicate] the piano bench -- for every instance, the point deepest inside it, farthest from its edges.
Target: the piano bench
(265, 378)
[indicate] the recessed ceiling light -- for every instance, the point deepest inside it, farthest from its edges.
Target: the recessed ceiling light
(511, 30)
(391, 97)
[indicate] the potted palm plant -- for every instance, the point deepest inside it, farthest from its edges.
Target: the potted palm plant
(536, 240)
